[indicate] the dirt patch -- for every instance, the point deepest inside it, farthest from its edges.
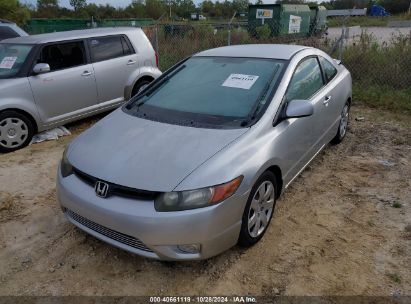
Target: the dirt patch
(342, 228)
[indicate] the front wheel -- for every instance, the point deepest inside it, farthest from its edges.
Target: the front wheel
(16, 131)
(342, 128)
(259, 210)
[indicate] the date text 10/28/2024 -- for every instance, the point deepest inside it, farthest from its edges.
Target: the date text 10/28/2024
(204, 299)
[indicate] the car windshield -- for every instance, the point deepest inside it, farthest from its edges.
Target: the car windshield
(12, 58)
(211, 90)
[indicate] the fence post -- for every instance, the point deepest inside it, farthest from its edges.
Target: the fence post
(156, 38)
(229, 28)
(343, 36)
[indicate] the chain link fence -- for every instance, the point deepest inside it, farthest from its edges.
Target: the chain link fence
(376, 64)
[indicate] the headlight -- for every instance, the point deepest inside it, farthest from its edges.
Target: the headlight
(192, 199)
(66, 167)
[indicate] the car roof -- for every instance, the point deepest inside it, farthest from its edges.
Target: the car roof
(272, 51)
(70, 35)
(4, 21)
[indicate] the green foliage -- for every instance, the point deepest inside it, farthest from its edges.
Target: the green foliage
(394, 277)
(383, 97)
(263, 32)
(386, 64)
(395, 7)
(47, 9)
(381, 73)
(14, 11)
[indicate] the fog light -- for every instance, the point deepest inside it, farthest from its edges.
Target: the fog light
(191, 248)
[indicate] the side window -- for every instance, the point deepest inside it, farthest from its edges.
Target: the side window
(306, 81)
(329, 70)
(105, 48)
(63, 55)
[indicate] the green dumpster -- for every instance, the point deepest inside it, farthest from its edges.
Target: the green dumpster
(283, 19)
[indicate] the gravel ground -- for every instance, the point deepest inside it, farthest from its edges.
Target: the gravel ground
(342, 228)
(381, 34)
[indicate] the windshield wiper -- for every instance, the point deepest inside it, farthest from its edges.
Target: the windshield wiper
(154, 87)
(254, 111)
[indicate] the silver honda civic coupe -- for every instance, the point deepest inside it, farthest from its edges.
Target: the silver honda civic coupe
(193, 165)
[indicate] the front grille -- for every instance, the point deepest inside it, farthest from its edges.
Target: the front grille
(117, 236)
(118, 190)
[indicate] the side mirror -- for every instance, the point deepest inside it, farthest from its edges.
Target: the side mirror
(299, 108)
(41, 68)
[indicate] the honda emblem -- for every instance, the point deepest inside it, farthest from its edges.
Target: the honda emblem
(101, 189)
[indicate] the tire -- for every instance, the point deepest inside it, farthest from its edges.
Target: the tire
(343, 126)
(16, 131)
(140, 85)
(251, 233)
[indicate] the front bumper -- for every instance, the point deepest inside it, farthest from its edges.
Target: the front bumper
(135, 225)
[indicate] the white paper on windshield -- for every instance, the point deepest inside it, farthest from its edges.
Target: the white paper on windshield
(240, 81)
(8, 62)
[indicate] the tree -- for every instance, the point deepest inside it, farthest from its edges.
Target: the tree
(240, 5)
(155, 8)
(395, 7)
(78, 4)
(47, 8)
(14, 11)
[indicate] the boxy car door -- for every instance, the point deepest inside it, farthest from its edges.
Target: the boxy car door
(69, 87)
(114, 60)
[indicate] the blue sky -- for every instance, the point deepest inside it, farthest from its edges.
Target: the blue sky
(115, 3)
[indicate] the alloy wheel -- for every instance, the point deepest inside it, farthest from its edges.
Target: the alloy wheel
(261, 209)
(344, 120)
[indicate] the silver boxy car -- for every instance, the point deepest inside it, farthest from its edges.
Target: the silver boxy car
(9, 29)
(194, 164)
(51, 79)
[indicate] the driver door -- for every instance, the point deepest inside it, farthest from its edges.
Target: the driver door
(299, 138)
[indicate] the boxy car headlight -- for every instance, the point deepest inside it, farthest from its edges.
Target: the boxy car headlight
(65, 166)
(193, 199)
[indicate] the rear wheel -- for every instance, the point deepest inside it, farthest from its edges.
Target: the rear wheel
(140, 85)
(16, 131)
(259, 210)
(343, 126)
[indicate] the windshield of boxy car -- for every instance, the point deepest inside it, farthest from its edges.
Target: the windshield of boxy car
(12, 58)
(215, 90)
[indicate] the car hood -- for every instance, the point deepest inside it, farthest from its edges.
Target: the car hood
(145, 154)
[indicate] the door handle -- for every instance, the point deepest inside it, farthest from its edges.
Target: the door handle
(327, 100)
(131, 62)
(86, 73)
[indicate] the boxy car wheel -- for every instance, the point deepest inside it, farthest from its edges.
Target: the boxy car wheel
(259, 210)
(16, 131)
(141, 85)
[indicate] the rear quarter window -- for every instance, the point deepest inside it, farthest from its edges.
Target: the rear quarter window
(106, 48)
(328, 68)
